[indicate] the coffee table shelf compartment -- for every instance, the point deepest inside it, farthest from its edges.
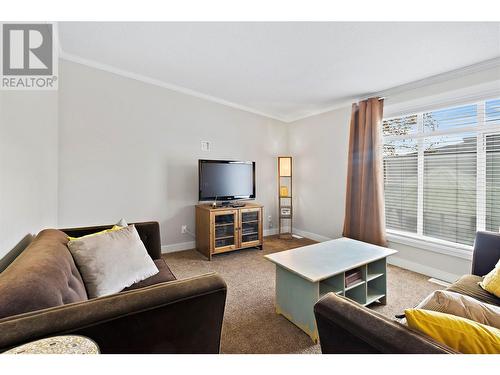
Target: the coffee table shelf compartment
(376, 269)
(357, 293)
(371, 288)
(355, 285)
(376, 289)
(373, 276)
(333, 284)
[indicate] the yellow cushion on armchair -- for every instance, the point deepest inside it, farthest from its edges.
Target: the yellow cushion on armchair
(114, 228)
(491, 282)
(460, 334)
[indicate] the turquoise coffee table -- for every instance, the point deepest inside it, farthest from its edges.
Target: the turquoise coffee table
(305, 274)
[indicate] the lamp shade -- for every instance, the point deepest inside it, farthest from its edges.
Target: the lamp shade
(285, 166)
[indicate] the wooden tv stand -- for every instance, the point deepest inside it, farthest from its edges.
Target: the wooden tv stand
(223, 229)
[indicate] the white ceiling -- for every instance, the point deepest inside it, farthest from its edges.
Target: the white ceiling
(283, 70)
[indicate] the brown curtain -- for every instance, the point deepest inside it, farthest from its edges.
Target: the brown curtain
(364, 207)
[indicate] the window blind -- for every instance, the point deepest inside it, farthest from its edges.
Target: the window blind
(449, 209)
(442, 172)
(400, 184)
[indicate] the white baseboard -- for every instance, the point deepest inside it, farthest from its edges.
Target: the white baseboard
(439, 282)
(172, 248)
(181, 246)
(312, 236)
(270, 232)
(423, 269)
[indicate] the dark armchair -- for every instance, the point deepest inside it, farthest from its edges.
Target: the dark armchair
(346, 327)
(486, 252)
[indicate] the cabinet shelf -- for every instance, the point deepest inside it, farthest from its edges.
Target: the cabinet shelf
(324, 289)
(373, 276)
(223, 237)
(223, 224)
(372, 297)
(355, 285)
(285, 197)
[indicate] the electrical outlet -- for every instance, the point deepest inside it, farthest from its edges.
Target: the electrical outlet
(205, 146)
(184, 229)
(270, 218)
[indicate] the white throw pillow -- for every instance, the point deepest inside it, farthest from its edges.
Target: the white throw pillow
(112, 261)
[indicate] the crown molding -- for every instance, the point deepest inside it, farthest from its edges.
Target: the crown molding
(345, 102)
(432, 80)
(469, 94)
(438, 78)
(152, 81)
(332, 107)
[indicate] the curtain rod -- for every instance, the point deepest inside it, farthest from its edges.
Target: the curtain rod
(379, 98)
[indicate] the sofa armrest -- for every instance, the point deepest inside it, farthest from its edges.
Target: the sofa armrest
(182, 316)
(486, 252)
(346, 327)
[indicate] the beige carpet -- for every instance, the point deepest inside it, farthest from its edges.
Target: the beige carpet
(250, 322)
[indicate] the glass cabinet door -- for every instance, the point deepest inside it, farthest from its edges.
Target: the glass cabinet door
(225, 230)
(250, 226)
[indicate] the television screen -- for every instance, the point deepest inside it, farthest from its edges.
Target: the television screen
(226, 180)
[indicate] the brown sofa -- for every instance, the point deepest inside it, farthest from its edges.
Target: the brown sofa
(347, 327)
(42, 294)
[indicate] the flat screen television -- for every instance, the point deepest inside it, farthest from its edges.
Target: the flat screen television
(226, 180)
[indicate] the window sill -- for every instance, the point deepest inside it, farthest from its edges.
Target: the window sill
(430, 244)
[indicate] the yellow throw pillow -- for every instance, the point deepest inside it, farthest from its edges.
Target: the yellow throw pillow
(460, 334)
(114, 228)
(491, 282)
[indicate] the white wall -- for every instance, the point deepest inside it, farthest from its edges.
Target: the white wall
(130, 149)
(28, 165)
(319, 145)
(441, 266)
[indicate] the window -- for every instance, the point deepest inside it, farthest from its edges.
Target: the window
(442, 172)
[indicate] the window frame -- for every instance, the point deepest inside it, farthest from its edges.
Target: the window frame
(482, 130)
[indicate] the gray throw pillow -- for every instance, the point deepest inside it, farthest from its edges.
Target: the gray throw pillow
(112, 261)
(463, 306)
(122, 223)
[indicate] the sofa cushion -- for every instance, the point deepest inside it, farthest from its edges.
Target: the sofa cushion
(43, 276)
(163, 275)
(469, 285)
(112, 261)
